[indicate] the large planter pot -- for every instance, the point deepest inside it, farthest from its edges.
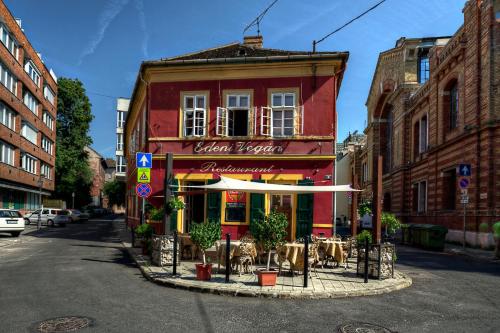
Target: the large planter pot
(267, 278)
(203, 272)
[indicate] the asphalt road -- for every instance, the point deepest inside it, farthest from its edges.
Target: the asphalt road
(82, 270)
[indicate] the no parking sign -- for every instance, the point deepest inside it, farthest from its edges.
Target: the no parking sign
(143, 190)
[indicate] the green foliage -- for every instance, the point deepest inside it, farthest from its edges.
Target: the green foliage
(365, 234)
(145, 231)
(156, 214)
(204, 235)
(270, 231)
(115, 191)
(73, 173)
(391, 223)
(174, 204)
(365, 208)
(483, 227)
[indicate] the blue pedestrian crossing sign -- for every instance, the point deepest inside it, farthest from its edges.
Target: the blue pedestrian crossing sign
(143, 160)
(464, 170)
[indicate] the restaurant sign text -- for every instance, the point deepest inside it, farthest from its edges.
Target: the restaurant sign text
(237, 147)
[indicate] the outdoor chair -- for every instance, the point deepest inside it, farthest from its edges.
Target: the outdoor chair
(313, 259)
(245, 260)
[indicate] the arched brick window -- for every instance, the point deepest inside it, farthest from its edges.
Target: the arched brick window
(450, 105)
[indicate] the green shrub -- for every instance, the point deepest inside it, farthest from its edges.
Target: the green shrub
(204, 235)
(365, 234)
(270, 232)
(483, 227)
(174, 204)
(365, 208)
(390, 222)
(144, 231)
(156, 214)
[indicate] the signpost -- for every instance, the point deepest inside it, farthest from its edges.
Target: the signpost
(464, 171)
(143, 163)
(144, 175)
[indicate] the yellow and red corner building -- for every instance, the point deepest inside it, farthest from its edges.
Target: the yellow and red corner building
(245, 112)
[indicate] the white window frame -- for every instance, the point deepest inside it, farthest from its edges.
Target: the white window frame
(8, 41)
(26, 135)
(7, 116)
(6, 153)
(423, 139)
(197, 114)
(33, 72)
(46, 171)
(120, 119)
(8, 79)
(120, 164)
(49, 94)
(29, 163)
(421, 209)
(47, 145)
(48, 120)
(31, 102)
(269, 116)
(119, 141)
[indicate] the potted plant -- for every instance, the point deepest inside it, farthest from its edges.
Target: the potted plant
(270, 233)
(204, 235)
(144, 232)
(360, 238)
(174, 204)
(390, 223)
(156, 215)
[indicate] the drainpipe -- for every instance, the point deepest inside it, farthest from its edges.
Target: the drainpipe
(478, 112)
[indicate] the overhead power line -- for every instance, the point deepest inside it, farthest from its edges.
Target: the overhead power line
(346, 24)
(256, 21)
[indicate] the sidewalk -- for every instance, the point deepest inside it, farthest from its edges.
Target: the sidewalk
(479, 254)
(326, 283)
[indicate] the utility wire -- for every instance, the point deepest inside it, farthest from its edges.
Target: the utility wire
(346, 24)
(259, 18)
(103, 95)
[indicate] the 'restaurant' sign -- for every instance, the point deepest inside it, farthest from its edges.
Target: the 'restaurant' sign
(228, 168)
(238, 147)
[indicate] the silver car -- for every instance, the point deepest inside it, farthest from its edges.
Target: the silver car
(49, 216)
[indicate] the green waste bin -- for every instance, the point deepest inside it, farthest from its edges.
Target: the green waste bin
(405, 234)
(433, 237)
(416, 232)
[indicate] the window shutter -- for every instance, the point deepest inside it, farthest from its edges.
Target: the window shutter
(298, 120)
(305, 204)
(213, 204)
(221, 122)
(257, 204)
(174, 187)
(266, 121)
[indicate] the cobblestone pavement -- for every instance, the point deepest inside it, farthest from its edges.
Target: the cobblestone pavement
(324, 283)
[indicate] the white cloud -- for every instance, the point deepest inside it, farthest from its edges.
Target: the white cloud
(112, 9)
(139, 5)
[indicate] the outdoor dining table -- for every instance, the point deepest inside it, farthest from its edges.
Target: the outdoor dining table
(234, 251)
(333, 249)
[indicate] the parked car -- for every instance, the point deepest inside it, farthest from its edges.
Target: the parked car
(75, 215)
(11, 221)
(49, 216)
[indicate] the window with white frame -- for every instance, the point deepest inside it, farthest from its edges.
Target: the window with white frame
(33, 72)
(423, 134)
(422, 197)
(47, 145)
(120, 164)
(46, 171)
(6, 153)
(8, 79)
(28, 163)
(29, 132)
(31, 102)
(7, 116)
(48, 120)
(194, 113)
(49, 94)
(119, 141)
(283, 112)
(9, 41)
(120, 119)
(233, 120)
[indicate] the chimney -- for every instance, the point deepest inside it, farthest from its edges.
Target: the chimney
(253, 41)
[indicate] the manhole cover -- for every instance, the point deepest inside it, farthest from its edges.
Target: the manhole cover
(63, 324)
(362, 328)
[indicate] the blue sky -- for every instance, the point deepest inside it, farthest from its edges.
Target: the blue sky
(102, 42)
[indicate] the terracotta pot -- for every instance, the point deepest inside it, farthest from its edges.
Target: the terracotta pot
(203, 272)
(267, 278)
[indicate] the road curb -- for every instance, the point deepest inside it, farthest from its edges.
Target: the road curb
(403, 281)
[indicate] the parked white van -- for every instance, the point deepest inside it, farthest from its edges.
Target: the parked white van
(50, 216)
(11, 221)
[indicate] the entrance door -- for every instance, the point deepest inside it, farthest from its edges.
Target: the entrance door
(194, 211)
(283, 203)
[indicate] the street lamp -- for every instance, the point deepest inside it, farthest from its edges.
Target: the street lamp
(73, 200)
(40, 205)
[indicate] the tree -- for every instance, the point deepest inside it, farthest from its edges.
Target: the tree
(115, 191)
(74, 115)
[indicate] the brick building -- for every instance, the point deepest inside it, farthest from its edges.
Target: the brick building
(28, 97)
(244, 111)
(434, 103)
(98, 166)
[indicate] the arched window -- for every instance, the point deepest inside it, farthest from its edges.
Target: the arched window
(450, 106)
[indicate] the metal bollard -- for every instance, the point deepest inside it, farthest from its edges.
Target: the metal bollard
(366, 260)
(228, 261)
(306, 260)
(174, 268)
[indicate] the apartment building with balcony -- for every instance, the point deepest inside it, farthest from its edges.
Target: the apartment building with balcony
(122, 105)
(243, 111)
(28, 107)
